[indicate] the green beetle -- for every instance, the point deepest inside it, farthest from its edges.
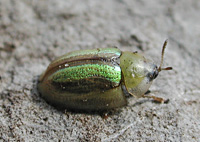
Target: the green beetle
(97, 79)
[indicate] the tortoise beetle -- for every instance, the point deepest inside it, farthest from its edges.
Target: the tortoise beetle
(93, 80)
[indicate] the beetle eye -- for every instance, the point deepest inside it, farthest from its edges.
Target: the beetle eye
(153, 74)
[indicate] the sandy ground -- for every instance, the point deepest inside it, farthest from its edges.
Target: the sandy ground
(34, 32)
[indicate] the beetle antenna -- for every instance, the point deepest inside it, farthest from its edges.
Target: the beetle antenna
(162, 57)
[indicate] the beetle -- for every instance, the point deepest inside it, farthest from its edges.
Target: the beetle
(97, 79)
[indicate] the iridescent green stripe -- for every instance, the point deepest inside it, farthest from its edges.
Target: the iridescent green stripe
(69, 74)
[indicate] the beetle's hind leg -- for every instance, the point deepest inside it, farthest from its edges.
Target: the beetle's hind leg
(156, 99)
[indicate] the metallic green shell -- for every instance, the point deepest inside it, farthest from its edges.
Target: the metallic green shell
(84, 80)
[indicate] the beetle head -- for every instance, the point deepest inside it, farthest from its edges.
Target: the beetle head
(139, 72)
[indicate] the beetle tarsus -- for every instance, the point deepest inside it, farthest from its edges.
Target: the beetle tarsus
(157, 99)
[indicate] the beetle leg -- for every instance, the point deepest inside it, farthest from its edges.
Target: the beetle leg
(156, 99)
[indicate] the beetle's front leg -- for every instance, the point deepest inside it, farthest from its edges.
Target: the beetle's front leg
(156, 99)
